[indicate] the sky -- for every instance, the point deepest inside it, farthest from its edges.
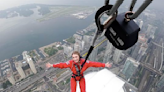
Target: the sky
(5, 4)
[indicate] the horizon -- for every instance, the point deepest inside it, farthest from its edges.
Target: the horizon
(5, 5)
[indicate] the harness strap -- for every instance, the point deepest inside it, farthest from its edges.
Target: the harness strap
(75, 75)
(78, 73)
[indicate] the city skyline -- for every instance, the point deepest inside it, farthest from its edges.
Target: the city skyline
(141, 67)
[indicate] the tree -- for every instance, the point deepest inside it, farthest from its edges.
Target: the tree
(50, 51)
(71, 40)
(60, 48)
(6, 84)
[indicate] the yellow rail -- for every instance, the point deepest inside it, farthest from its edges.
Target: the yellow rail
(95, 47)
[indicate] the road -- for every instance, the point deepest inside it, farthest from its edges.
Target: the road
(145, 74)
(155, 60)
(34, 78)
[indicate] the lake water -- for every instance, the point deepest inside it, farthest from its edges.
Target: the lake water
(25, 33)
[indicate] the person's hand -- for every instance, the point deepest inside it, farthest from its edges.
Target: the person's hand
(108, 65)
(48, 65)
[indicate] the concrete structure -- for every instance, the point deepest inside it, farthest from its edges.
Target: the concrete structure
(130, 67)
(87, 39)
(160, 84)
(108, 52)
(116, 56)
(103, 81)
(29, 61)
(32, 66)
(142, 51)
(93, 55)
(18, 66)
(141, 24)
(135, 50)
(10, 77)
(4, 67)
(17, 76)
(139, 46)
(81, 43)
(68, 50)
(77, 47)
(76, 36)
(150, 31)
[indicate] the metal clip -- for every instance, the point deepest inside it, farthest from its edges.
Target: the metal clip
(140, 10)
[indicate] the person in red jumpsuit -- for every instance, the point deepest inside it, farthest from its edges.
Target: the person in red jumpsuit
(75, 63)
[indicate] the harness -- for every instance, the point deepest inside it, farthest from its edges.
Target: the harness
(78, 73)
(79, 70)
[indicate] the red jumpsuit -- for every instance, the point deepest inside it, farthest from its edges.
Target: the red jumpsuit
(71, 64)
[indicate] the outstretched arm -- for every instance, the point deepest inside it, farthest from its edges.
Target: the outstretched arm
(108, 65)
(98, 64)
(58, 65)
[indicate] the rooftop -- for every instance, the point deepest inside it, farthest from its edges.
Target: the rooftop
(103, 81)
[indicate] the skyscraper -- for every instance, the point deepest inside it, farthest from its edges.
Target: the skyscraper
(135, 50)
(117, 55)
(142, 51)
(29, 61)
(76, 47)
(10, 77)
(68, 50)
(141, 24)
(138, 45)
(18, 66)
(150, 31)
(32, 66)
(93, 55)
(87, 39)
(82, 45)
(130, 67)
(76, 36)
(160, 84)
(108, 52)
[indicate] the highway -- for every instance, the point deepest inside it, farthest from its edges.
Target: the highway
(34, 78)
(145, 74)
(154, 62)
(159, 54)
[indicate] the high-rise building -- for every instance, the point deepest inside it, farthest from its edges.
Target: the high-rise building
(142, 51)
(68, 50)
(138, 45)
(18, 66)
(78, 41)
(32, 65)
(10, 77)
(87, 39)
(150, 31)
(116, 56)
(141, 24)
(29, 61)
(93, 55)
(76, 36)
(160, 84)
(108, 52)
(76, 47)
(135, 50)
(130, 67)
(82, 45)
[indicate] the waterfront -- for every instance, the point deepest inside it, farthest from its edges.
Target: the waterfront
(29, 34)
